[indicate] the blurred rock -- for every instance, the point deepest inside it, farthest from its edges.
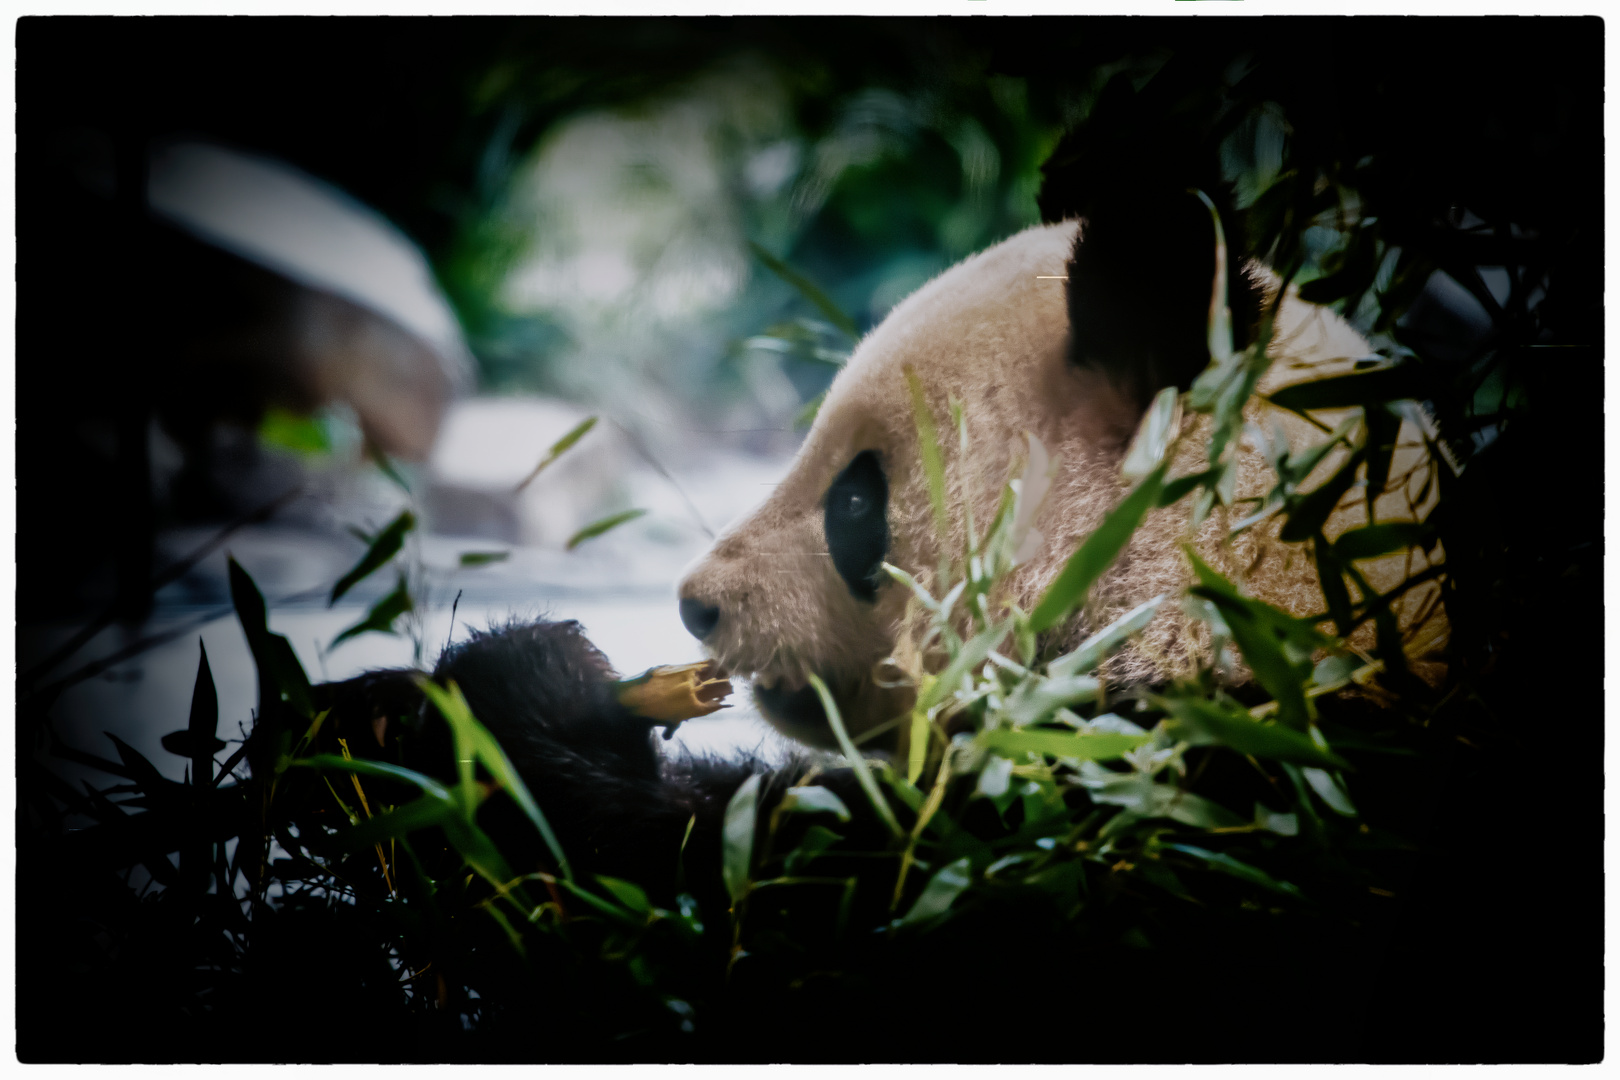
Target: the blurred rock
(349, 310)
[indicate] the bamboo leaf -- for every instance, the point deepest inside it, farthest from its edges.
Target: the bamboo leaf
(940, 892)
(1309, 512)
(597, 528)
(606, 907)
(1332, 792)
(1220, 313)
(1096, 554)
(813, 800)
(382, 549)
(142, 771)
(922, 594)
(737, 838)
(1330, 574)
(1383, 431)
(857, 763)
(966, 661)
(807, 289)
(382, 770)
(380, 459)
(1201, 722)
(558, 448)
(425, 812)
(204, 721)
(474, 740)
(1261, 632)
(995, 777)
(917, 745)
(1371, 541)
(1142, 798)
(817, 838)
(1038, 699)
(1365, 388)
(1243, 871)
(382, 616)
(1294, 468)
(627, 893)
(1060, 744)
(928, 449)
(1159, 426)
(1097, 648)
(281, 676)
(1179, 488)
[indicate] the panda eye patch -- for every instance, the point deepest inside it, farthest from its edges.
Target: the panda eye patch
(856, 523)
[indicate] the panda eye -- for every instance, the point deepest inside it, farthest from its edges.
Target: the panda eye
(856, 525)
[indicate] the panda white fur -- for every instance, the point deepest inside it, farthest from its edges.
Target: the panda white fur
(793, 589)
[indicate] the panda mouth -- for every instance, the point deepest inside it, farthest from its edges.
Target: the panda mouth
(794, 708)
(799, 707)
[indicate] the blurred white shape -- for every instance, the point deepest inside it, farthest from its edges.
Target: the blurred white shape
(771, 168)
(309, 232)
(603, 275)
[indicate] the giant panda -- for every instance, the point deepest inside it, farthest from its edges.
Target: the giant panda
(1062, 332)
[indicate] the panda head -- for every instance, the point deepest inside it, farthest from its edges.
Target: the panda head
(1060, 332)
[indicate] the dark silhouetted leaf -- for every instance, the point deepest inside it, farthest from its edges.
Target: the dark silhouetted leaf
(1365, 388)
(1178, 489)
(627, 893)
(204, 722)
(142, 771)
(1383, 429)
(1373, 540)
(1201, 722)
(179, 743)
(817, 838)
(1261, 631)
(1216, 860)
(1309, 512)
(281, 676)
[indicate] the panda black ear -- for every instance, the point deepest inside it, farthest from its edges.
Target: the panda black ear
(1143, 265)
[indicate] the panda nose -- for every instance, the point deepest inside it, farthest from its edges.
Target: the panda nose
(699, 617)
